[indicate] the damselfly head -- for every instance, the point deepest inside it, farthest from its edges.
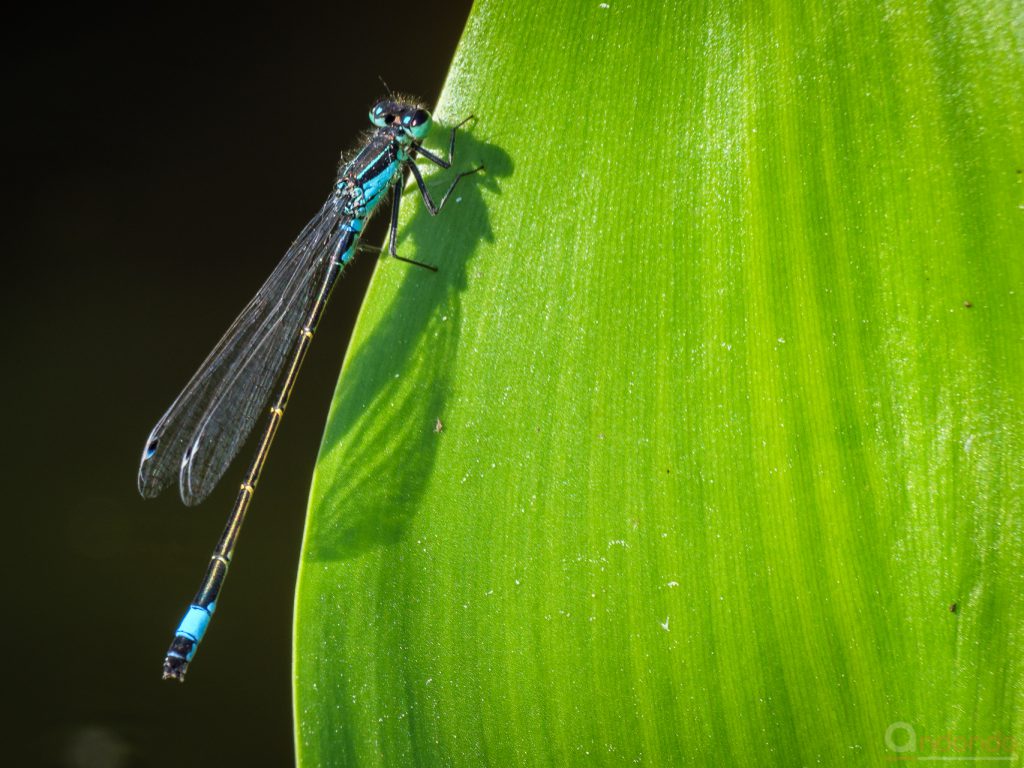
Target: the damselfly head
(412, 119)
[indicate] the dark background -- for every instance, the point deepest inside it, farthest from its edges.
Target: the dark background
(158, 164)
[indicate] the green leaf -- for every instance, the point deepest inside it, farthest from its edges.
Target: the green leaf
(726, 345)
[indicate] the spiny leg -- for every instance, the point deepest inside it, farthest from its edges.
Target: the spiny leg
(418, 150)
(393, 238)
(427, 199)
(378, 250)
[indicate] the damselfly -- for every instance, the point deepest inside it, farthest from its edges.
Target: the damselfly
(257, 361)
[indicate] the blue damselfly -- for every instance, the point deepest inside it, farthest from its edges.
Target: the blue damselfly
(257, 361)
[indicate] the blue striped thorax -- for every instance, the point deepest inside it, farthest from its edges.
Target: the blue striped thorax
(363, 181)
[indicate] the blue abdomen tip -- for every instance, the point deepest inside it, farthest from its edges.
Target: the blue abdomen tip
(196, 620)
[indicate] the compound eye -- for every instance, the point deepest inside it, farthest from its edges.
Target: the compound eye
(380, 115)
(419, 124)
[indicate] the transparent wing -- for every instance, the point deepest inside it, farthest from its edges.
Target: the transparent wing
(206, 425)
